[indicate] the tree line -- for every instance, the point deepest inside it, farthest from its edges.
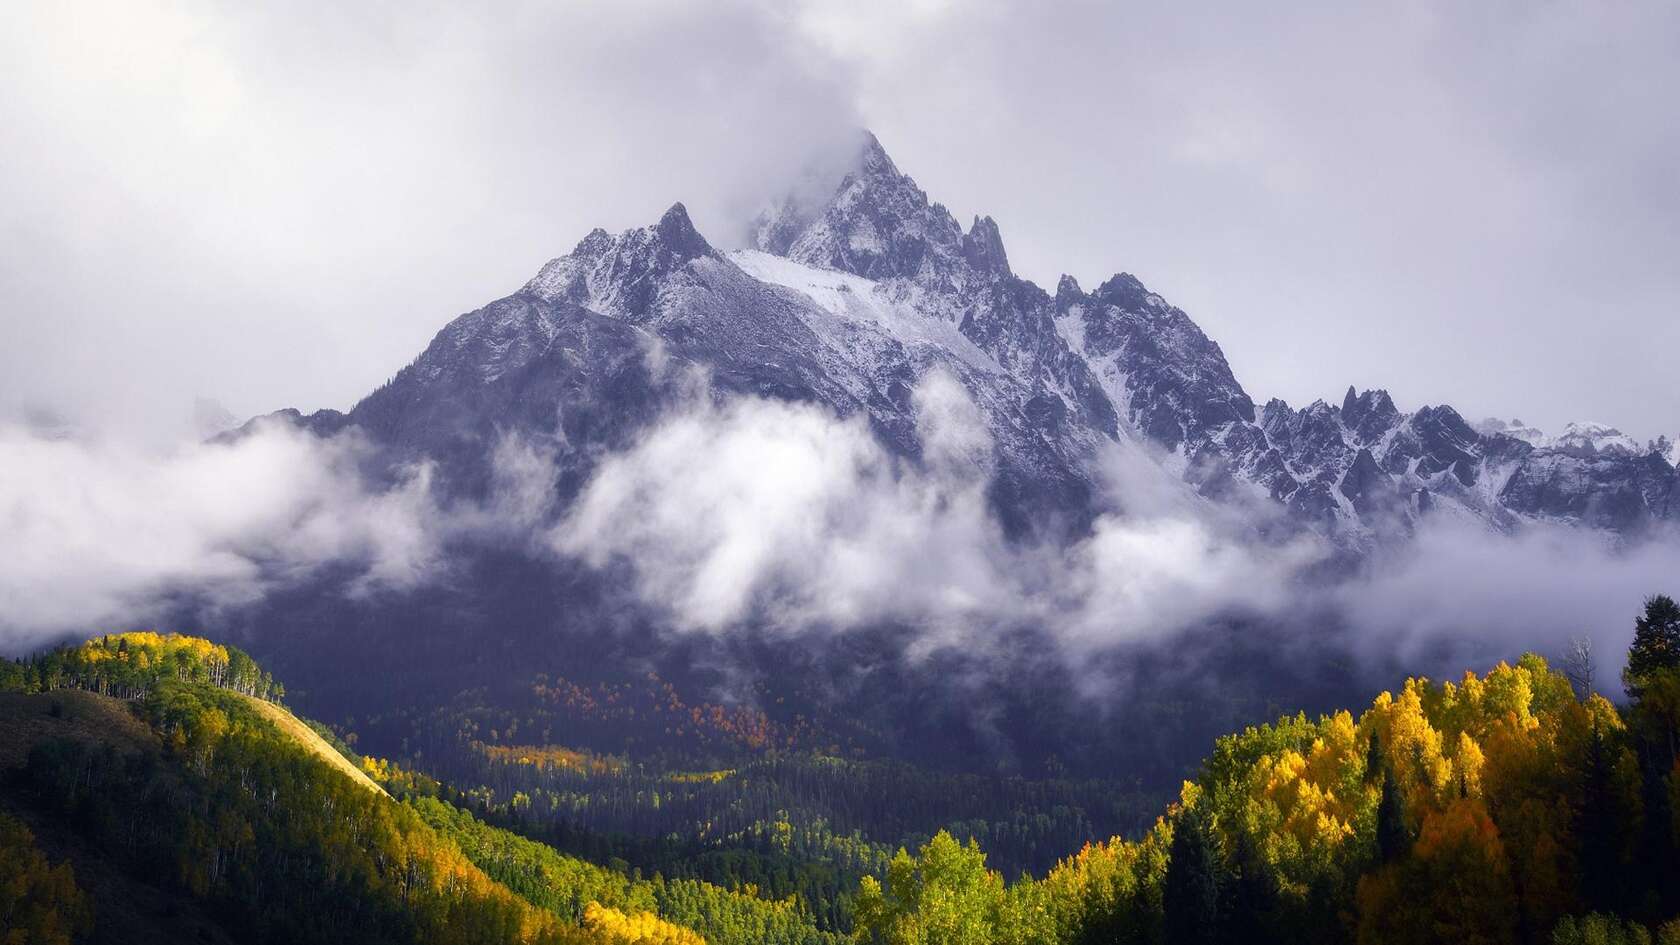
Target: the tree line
(130, 666)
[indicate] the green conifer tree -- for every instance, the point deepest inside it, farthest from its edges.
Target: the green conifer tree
(1190, 894)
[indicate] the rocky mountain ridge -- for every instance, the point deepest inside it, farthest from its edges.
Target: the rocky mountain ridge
(1361, 470)
(850, 301)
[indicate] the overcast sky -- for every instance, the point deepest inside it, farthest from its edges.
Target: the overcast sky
(1464, 203)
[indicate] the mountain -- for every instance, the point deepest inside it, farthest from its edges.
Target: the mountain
(1355, 471)
(570, 767)
(1582, 436)
(848, 301)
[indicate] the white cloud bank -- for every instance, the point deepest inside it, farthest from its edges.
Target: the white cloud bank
(1458, 592)
(761, 509)
(724, 510)
(99, 532)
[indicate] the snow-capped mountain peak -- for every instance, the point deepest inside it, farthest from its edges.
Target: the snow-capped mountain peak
(1517, 429)
(877, 224)
(859, 285)
(1583, 436)
(1593, 437)
(617, 274)
(1361, 467)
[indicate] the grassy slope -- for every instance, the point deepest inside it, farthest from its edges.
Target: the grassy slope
(310, 739)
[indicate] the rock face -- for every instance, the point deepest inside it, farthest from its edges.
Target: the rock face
(849, 300)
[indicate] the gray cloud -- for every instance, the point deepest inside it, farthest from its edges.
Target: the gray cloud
(1458, 594)
(1465, 203)
(279, 207)
(1462, 203)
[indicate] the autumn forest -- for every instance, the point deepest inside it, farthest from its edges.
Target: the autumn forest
(156, 788)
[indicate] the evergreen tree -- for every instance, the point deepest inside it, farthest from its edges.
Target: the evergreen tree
(1393, 839)
(1659, 867)
(1248, 908)
(1656, 643)
(1598, 828)
(1653, 682)
(1190, 895)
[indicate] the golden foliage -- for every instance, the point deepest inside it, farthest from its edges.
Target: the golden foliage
(613, 927)
(552, 756)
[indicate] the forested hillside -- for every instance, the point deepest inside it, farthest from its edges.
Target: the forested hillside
(1500, 808)
(152, 794)
(207, 820)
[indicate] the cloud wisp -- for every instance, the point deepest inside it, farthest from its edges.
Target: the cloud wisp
(101, 533)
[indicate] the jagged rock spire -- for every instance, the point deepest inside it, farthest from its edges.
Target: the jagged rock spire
(676, 233)
(874, 158)
(982, 246)
(1368, 415)
(874, 221)
(1124, 290)
(617, 274)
